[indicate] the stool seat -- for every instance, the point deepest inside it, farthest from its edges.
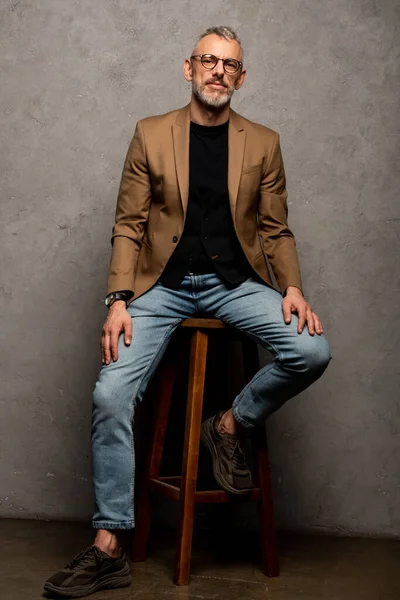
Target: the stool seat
(183, 488)
(201, 323)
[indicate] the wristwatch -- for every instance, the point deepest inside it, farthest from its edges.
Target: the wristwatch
(111, 298)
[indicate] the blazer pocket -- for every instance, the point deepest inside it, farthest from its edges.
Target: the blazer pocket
(252, 169)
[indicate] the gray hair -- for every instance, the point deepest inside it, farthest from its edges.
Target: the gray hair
(224, 32)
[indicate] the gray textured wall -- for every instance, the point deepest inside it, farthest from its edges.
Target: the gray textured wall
(75, 77)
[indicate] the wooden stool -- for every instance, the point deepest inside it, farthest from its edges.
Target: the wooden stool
(182, 488)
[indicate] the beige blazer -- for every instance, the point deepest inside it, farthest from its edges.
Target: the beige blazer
(153, 197)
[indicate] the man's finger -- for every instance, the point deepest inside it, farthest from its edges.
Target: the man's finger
(287, 313)
(102, 349)
(106, 348)
(114, 344)
(302, 319)
(310, 322)
(128, 332)
(318, 325)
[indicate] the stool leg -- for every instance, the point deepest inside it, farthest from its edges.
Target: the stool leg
(265, 506)
(166, 379)
(198, 358)
(266, 509)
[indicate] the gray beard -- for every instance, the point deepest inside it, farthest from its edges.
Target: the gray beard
(214, 101)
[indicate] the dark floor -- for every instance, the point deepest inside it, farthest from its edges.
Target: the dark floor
(312, 567)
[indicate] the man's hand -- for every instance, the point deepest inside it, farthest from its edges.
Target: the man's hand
(118, 319)
(294, 302)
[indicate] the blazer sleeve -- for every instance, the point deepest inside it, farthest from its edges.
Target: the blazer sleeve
(131, 215)
(278, 241)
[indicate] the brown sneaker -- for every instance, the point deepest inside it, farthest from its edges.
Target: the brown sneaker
(90, 570)
(229, 460)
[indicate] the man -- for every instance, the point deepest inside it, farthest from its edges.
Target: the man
(202, 200)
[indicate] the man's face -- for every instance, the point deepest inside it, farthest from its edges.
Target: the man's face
(214, 88)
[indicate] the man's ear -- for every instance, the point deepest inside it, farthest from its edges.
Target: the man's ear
(187, 69)
(240, 80)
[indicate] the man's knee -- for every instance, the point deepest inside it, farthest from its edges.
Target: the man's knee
(312, 354)
(110, 402)
(316, 353)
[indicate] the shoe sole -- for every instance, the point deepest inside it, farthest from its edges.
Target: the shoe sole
(208, 441)
(117, 580)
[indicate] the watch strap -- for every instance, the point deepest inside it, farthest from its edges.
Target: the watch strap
(114, 296)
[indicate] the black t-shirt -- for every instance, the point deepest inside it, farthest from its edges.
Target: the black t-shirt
(209, 242)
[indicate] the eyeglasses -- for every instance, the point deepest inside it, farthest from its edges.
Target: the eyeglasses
(209, 61)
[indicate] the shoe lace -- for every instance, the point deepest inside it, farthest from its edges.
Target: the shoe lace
(237, 453)
(82, 559)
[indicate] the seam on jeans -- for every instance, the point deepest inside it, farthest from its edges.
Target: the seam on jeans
(111, 525)
(255, 378)
(240, 419)
(195, 292)
(134, 395)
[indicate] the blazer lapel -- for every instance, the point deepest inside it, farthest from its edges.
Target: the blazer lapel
(236, 146)
(181, 137)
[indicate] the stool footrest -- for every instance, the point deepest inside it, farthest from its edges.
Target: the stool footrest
(169, 487)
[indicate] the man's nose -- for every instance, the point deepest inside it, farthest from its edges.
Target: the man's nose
(219, 68)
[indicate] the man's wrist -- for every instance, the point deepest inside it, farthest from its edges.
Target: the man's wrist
(123, 296)
(120, 303)
(294, 289)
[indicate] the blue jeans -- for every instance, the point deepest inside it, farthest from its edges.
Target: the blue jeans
(252, 307)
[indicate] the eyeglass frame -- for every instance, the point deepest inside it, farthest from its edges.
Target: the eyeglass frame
(218, 59)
